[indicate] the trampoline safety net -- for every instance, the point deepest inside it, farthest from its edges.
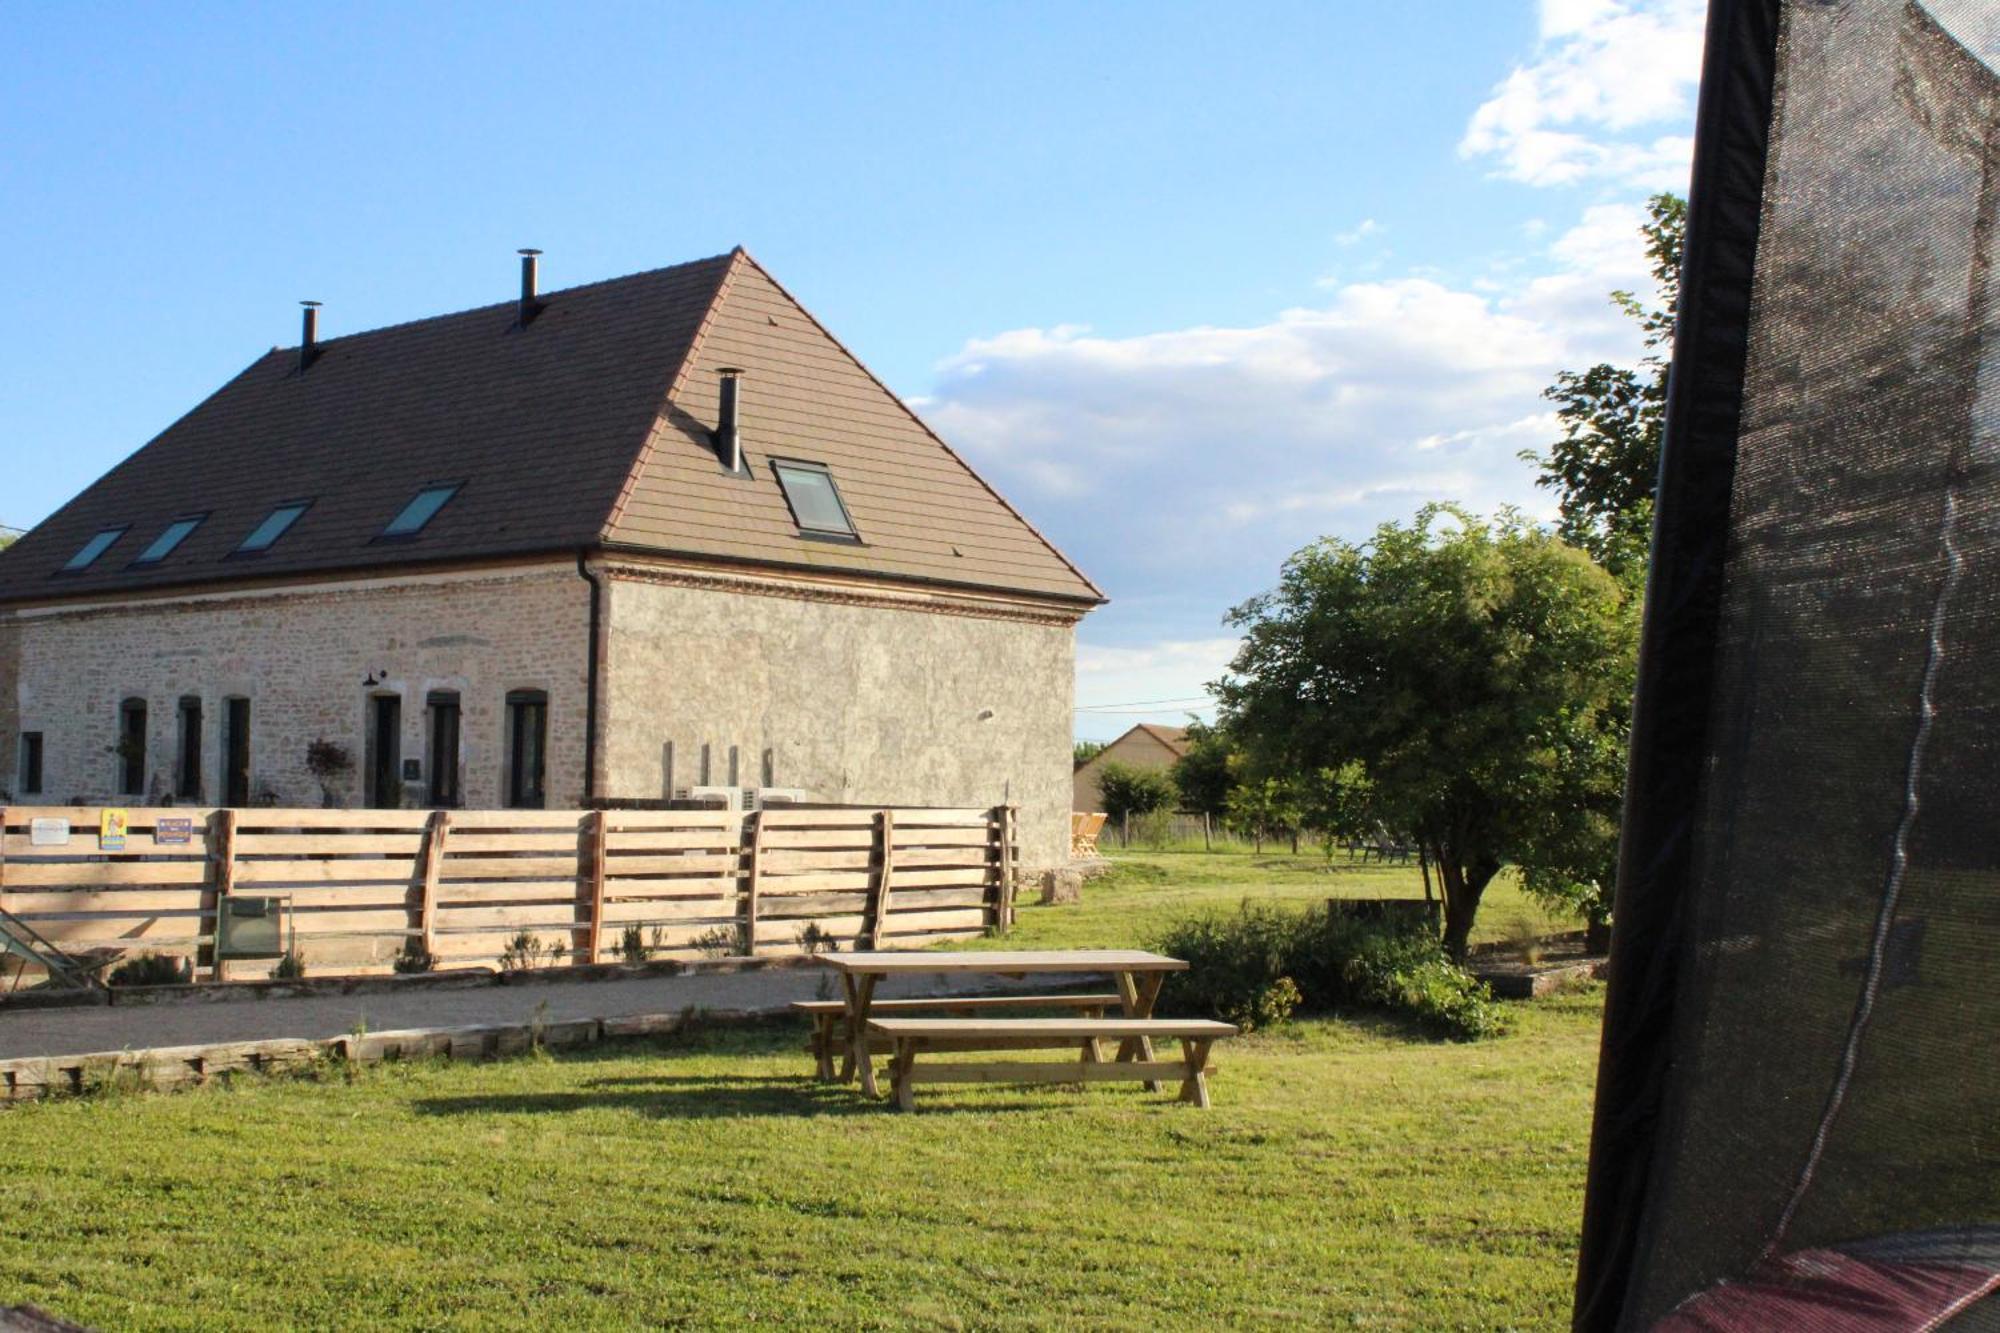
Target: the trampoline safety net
(1797, 1124)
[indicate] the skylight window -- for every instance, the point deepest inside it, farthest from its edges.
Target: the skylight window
(814, 499)
(163, 545)
(274, 526)
(93, 548)
(421, 510)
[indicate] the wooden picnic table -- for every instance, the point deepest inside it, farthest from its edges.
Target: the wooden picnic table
(1138, 976)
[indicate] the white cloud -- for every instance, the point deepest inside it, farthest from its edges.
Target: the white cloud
(1609, 88)
(1180, 467)
(1360, 232)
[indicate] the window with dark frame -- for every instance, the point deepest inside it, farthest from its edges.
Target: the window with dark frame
(814, 499)
(87, 554)
(187, 780)
(170, 538)
(384, 772)
(527, 749)
(132, 747)
(443, 757)
(236, 752)
(275, 525)
(422, 509)
(30, 768)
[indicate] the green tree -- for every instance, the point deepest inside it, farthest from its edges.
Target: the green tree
(1204, 777)
(1340, 804)
(8, 536)
(1125, 791)
(1466, 664)
(1085, 751)
(1260, 807)
(1604, 468)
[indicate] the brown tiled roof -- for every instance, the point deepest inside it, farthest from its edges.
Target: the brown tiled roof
(587, 429)
(1174, 738)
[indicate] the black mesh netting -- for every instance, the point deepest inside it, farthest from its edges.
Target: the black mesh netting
(1825, 1140)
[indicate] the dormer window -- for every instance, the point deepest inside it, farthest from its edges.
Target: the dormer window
(87, 555)
(163, 545)
(422, 509)
(814, 499)
(275, 525)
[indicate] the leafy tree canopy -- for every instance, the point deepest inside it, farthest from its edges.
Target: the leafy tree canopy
(1204, 777)
(1471, 667)
(1124, 790)
(1604, 468)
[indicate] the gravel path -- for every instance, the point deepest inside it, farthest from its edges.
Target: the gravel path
(196, 1022)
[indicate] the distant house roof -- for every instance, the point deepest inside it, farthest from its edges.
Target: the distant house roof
(586, 429)
(1174, 738)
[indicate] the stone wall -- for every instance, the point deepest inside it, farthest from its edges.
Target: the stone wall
(853, 698)
(301, 657)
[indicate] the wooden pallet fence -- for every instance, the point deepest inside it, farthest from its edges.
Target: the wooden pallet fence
(469, 884)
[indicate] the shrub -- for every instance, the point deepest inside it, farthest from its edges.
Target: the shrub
(1252, 967)
(721, 942)
(526, 951)
(632, 946)
(153, 969)
(415, 957)
(291, 967)
(813, 941)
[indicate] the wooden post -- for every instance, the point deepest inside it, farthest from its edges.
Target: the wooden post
(1004, 899)
(600, 844)
(225, 884)
(750, 884)
(440, 827)
(878, 898)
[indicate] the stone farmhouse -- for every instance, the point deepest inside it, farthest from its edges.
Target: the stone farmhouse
(616, 542)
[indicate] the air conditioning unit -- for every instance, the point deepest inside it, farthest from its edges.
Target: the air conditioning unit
(756, 798)
(713, 798)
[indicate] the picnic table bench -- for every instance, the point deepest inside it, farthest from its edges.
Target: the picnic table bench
(831, 1036)
(912, 1036)
(1137, 974)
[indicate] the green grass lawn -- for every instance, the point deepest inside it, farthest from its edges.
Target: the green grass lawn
(1349, 1174)
(1145, 890)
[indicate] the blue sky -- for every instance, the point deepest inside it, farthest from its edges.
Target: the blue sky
(1191, 284)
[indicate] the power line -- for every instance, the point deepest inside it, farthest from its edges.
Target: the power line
(1145, 703)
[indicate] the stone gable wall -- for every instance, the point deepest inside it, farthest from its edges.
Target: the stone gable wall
(850, 700)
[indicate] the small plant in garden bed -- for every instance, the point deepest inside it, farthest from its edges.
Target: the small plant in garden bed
(415, 957)
(813, 941)
(153, 969)
(525, 952)
(291, 967)
(632, 946)
(1254, 966)
(721, 942)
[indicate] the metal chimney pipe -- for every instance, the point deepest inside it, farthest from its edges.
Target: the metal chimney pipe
(308, 334)
(531, 301)
(728, 442)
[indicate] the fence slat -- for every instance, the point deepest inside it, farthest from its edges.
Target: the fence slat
(750, 884)
(878, 903)
(440, 830)
(599, 831)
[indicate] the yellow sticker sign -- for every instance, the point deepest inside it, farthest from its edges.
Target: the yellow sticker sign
(111, 826)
